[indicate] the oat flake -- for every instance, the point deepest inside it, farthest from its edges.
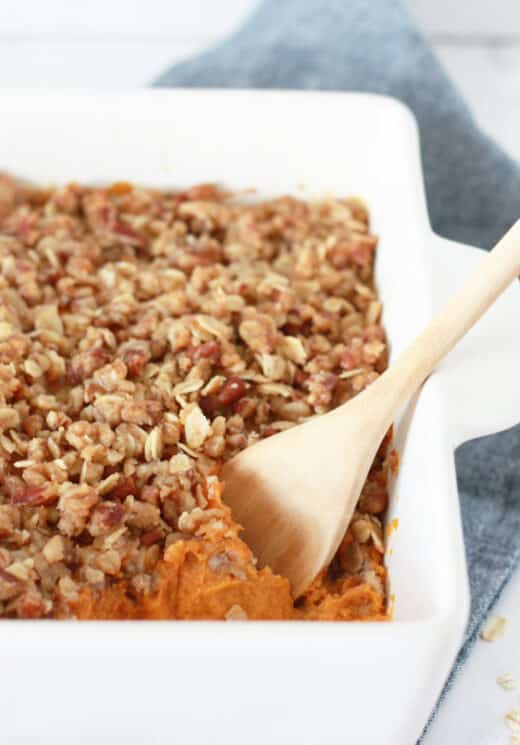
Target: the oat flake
(507, 682)
(494, 628)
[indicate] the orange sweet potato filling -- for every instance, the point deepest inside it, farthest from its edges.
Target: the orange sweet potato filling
(188, 586)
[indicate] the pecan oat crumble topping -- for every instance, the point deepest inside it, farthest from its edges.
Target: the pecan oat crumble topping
(145, 338)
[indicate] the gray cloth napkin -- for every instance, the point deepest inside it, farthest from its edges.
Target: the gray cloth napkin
(473, 191)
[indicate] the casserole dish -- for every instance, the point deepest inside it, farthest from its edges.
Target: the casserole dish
(251, 683)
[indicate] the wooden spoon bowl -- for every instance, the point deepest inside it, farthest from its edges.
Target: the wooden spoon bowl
(295, 493)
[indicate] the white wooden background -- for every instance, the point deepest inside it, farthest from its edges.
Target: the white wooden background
(127, 43)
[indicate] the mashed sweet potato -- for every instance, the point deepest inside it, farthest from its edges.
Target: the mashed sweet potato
(214, 577)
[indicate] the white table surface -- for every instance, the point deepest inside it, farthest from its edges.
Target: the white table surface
(97, 45)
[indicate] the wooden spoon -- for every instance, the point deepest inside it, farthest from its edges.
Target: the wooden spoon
(295, 493)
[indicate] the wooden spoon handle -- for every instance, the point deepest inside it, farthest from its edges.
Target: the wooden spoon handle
(489, 280)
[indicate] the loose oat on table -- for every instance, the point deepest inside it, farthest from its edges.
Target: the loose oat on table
(145, 338)
(494, 628)
(512, 719)
(507, 682)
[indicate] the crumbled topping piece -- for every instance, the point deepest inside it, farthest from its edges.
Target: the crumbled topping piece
(236, 613)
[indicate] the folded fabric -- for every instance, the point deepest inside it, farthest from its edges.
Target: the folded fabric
(473, 191)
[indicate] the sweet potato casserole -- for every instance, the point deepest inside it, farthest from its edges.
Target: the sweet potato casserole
(145, 338)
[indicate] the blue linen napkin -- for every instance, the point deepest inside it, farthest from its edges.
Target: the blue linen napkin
(473, 191)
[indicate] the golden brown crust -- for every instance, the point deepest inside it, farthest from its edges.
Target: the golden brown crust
(145, 338)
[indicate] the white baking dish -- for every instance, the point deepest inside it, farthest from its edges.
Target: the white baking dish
(259, 683)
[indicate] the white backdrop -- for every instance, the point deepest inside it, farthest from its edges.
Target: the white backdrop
(127, 43)
(207, 18)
